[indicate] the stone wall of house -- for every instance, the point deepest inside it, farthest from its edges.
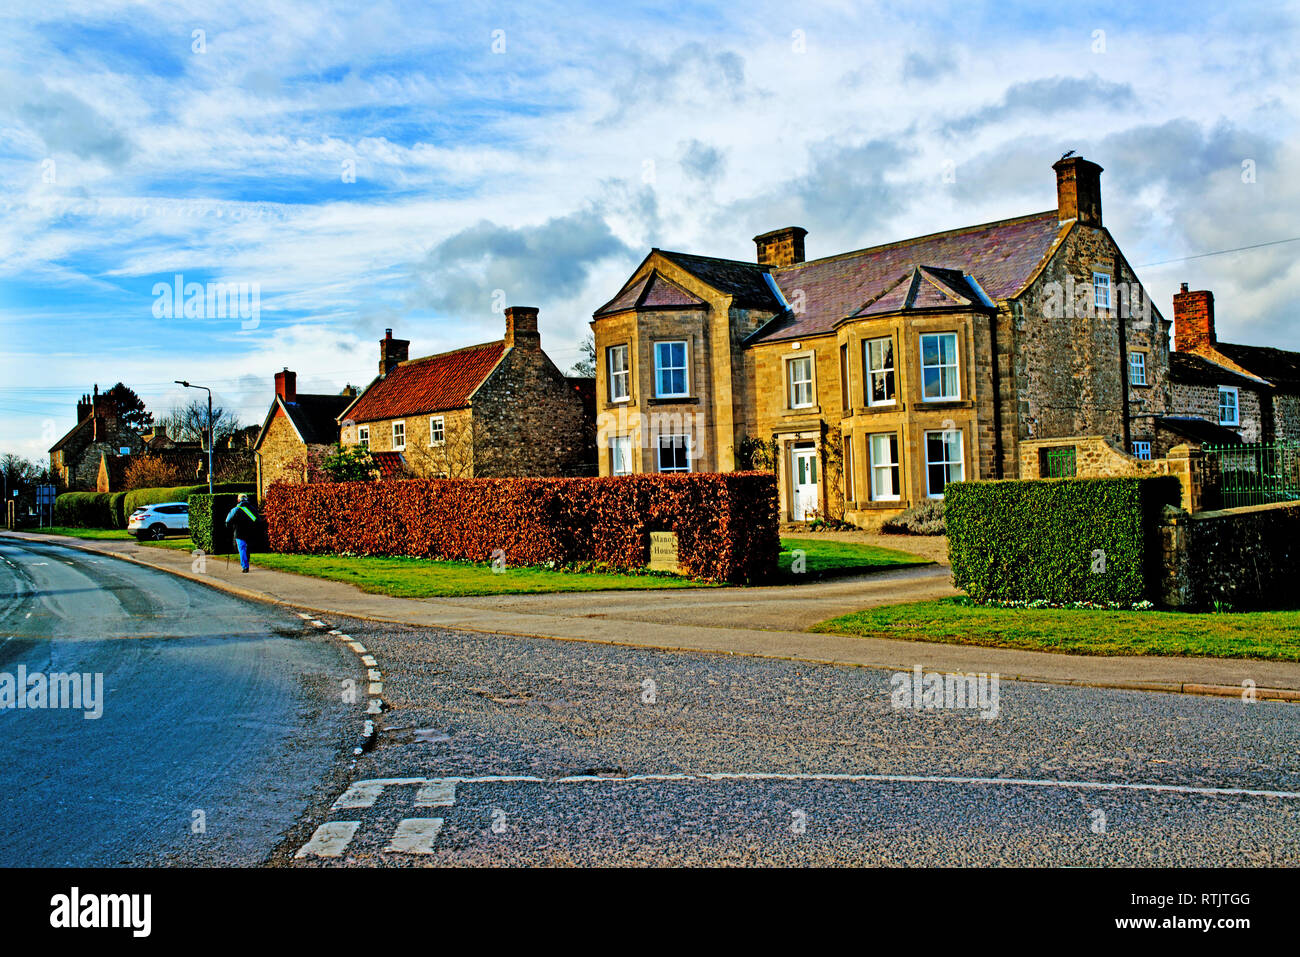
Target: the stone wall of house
(1286, 418)
(454, 458)
(77, 467)
(1070, 363)
(1242, 556)
(1202, 401)
(283, 456)
(527, 420)
(1096, 456)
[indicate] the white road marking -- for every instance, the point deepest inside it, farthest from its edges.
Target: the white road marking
(376, 689)
(360, 794)
(302, 616)
(318, 624)
(329, 840)
(335, 631)
(376, 707)
(369, 661)
(374, 675)
(357, 646)
(436, 794)
(415, 835)
(864, 778)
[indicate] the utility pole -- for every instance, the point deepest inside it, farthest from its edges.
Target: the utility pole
(211, 436)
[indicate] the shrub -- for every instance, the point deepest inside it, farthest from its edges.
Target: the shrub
(84, 510)
(152, 471)
(1060, 540)
(726, 524)
(179, 493)
(208, 529)
(117, 501)
(924, 518)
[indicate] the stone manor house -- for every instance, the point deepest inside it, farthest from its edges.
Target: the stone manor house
(869, 379)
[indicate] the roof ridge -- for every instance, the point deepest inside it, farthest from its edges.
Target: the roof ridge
(916, 239)
(451, 352)
(717, 259)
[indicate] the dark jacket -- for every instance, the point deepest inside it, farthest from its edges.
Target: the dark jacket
(242, 519)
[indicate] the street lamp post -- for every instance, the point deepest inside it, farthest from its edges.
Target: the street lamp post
(211, 436)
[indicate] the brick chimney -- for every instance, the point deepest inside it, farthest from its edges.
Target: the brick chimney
(392, 351)
(1078, 190)
(781, 247)
(521, 327)
(84, 408)
(1194, 319)
(286, 385)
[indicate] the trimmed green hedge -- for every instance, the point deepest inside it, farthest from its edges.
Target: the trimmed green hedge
(213, 535)
(84, 510)
(1057, 539)
(117, 501)
(178, 493)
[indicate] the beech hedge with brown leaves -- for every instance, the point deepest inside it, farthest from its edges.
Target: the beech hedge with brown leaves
(726, 523)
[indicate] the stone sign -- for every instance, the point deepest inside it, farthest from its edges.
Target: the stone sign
(663, 552)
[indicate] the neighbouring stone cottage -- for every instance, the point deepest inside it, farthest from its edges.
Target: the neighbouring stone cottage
(300, 428)
(868, 380)
(496, 409)
(75, 460)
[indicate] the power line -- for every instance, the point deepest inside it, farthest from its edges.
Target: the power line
(1220, 252)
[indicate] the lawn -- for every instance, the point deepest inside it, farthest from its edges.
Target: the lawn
(1271, 635)
(95, 533)
(823, 559)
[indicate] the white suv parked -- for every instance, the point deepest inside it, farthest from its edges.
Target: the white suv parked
(158, 521)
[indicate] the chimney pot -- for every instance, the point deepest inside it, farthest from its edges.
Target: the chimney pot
(1078, 190)
(1194, 320)
(781, 247)
(392, 351)
(286, 385)
(521, 327)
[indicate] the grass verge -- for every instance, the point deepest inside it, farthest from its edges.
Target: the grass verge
(826, 559)
(1266, 635)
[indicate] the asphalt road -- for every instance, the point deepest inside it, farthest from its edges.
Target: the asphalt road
(221, 718)
(1103, 777)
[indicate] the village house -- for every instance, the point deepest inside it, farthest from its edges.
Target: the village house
(1248, 393)
(496, 409)
(870, 379)
(76, 459)
(299, 430)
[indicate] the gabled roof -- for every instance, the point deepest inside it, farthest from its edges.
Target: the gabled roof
(652, 291)
(998, 258)
(313, 417)
(1202, 431)
(432, 384)
(1190, 368)
(924, 287)
(743, 281)
(86, 423)
(1278, 366)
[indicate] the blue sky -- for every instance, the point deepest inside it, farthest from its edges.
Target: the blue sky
(396, 164)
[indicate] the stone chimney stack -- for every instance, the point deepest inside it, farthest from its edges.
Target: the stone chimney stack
(392, 351)
(1194, 319)
(84, 408)
(286, 385)
(1078, 190)
(781, 247)
(521, 328)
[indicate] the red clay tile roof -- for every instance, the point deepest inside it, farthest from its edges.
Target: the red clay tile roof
(653, 291)
(432, 384)
(999, 256)
(391, 465)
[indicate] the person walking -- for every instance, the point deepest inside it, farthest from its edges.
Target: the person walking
(243, 520)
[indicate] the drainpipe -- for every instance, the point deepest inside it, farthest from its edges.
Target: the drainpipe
(1123, 361)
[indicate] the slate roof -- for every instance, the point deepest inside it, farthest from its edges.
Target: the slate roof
(1202, 431)
(1192, 369)
(652, 291)
(1000, 257)
(85, 423)
(1278, 366)
(924, 287)
(743, 281)
(314, 416)
(432, 384)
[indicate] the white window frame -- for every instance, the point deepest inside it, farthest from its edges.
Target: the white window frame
(402, 446)
(955, 366)
(363, 436)
(792, 386)
(1140, 368)
(685, 368)
(887, 372)
(614, 443)
(1141, 450)
(440, 437)
(659, 452)
(1236, 405)
(614, 376)
(850, 483)
(891, 468)
(1100, 284)
(960, 461)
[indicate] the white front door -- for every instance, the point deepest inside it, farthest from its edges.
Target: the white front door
(803, 484)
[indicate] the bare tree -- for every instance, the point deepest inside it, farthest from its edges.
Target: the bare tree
(189, 423)
(586, 366)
